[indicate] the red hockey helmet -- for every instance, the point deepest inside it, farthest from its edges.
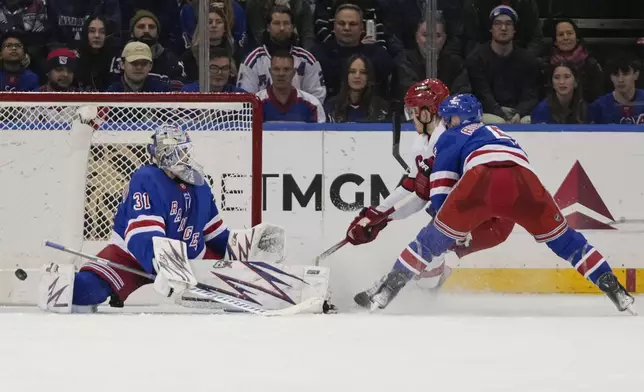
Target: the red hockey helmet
(426, 94)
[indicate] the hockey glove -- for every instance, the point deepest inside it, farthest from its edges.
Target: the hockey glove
(422, 185)
(365, 227)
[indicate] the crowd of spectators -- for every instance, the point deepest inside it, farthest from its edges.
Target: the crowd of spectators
(322, 60)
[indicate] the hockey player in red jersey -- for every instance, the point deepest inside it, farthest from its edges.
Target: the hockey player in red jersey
(485, 175)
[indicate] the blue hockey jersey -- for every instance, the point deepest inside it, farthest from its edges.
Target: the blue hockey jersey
(301, 106)
(155, 205)
(461, 148)
(606, 110)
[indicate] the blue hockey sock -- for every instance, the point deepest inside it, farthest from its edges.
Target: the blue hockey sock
(419, 254)
(90, 289)
(587, 260)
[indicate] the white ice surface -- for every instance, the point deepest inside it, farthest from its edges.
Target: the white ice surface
(454, 343)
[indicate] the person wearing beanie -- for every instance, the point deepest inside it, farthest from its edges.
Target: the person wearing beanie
(13, 74)
(166, 11)
(137, 63)
(504, 77)
(145, 28)
(61, 65)
(477, 19)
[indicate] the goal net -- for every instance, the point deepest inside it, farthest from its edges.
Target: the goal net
(66, 158)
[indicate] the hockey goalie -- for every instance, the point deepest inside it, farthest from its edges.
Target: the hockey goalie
(170, 199)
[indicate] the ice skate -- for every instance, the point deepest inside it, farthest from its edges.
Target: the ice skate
(609, 284)
(383, 292)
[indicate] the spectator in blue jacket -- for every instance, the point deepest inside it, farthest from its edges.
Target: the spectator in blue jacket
(13, 74)
(565, 102)
(220, 71)
(137, 64)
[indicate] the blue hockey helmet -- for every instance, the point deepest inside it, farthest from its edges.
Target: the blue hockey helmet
(464, 106)
(171, 150)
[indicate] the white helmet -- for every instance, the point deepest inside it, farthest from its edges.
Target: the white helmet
(171, 150)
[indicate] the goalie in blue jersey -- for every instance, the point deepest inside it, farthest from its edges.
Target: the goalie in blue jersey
(167, 199)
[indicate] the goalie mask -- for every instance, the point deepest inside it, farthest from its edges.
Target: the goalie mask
(171, 150)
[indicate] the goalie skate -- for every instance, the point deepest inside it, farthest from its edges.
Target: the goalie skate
(383, 292)
(609, 284)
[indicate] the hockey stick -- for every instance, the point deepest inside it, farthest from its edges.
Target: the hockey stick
(395, 151)
(202, 289)
(383, 216)
(396, 129)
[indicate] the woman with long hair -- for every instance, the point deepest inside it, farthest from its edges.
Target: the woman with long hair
(219, 35)
(357, 100)
(98, 56)
(565, 102)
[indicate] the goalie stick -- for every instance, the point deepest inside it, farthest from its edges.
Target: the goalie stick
(204, 290)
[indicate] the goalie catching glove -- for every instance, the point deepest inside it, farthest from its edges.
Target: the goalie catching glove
(365, 227)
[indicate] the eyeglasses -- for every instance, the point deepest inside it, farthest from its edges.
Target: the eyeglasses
(217, 69)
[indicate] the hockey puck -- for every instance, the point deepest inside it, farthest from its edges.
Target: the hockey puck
(21, 274)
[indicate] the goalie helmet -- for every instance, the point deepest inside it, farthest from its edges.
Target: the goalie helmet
(171, 150)
(426, 94)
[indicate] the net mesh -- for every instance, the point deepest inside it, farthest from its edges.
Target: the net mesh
(121, 132)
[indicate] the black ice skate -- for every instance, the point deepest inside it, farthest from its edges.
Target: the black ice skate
(609, 284)
(383, 292)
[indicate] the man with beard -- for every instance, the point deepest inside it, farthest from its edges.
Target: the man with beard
(254, 72)
(220, 66)
(504, 77)
(283, 102)
(14, 76)
(145, 28)
(61, 65)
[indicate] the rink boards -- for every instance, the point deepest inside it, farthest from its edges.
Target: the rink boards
(317, 177)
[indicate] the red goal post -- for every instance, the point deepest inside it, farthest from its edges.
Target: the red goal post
(60, 151)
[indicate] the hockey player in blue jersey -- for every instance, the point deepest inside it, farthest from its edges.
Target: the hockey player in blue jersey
(492, 177)
(168, 199)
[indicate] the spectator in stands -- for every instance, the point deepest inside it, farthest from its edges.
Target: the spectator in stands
(372, 14)
(69, 16)
(61, 66)
(476, 24)
(357, 100)
(234, 15)
(98, 56)
(348, 30)
(137, 64)
(221, 69)
(167, 13)
(403, 16)
(29, 18)
(254, 72)
(283, 102)
(564, 103)
(14, 76)
(503, 76)
(258, 12)
(145, 28)
(219, 38)
(411, 63)
(625, 105)
(568, 46)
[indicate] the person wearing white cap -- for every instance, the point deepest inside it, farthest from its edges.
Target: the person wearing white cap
(137, 63)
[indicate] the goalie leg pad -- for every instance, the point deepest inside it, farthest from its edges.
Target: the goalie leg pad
(56, 288)
(264, 242)
(268, 285)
